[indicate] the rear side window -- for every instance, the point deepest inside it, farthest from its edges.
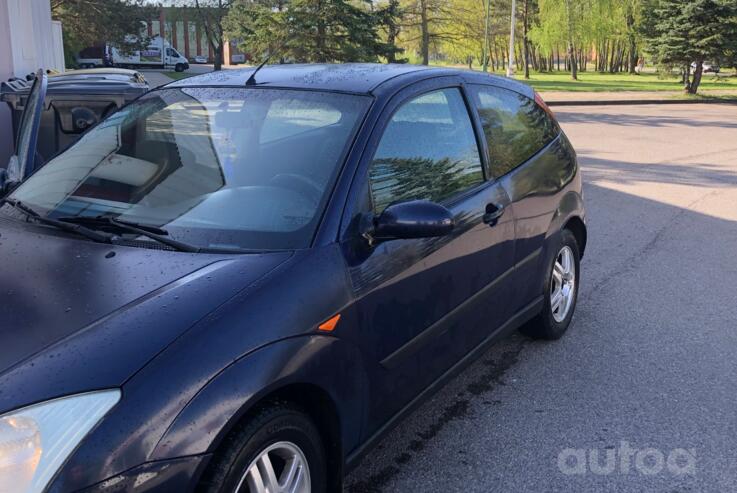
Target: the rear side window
(516, 128)
(428, 151)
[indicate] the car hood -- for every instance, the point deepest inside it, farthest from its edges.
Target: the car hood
(67, 302)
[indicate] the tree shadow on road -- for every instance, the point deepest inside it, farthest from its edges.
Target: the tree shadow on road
(692, 174)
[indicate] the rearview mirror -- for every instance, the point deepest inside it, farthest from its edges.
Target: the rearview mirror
(413, 219)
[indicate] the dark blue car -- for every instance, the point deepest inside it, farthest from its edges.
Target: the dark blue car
(241, 281)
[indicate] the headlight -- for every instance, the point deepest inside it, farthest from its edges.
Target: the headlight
(36, 440)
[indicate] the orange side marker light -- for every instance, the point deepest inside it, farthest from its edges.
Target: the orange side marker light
(329, 324)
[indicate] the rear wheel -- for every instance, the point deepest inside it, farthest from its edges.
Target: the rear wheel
(562, 272)
(278, 450)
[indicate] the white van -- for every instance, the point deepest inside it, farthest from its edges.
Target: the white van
(158, 53)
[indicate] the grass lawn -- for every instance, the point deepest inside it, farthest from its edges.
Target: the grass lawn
(178, 75)
(596, 82)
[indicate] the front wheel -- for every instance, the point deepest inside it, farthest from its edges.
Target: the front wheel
(278, 450)
(179, 67)
(562, 273)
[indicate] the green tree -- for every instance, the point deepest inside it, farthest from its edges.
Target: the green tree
(615, 34)
(563, 22)
(94, 22)
(528, 10)
(428, 24)
(606, 29)
(389, 17)
(682, 32)
(310, 30)
(632, 9)
(462, 36)
(331, 30)
(260, 26)
(211, 15)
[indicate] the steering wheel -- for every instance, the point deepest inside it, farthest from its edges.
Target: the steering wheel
(299, 183)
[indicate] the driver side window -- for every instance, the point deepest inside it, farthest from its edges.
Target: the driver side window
(428, 151)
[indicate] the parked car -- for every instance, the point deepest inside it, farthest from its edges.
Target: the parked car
(708, 67)
(74, 101)
(238, 58)
(242, 280)
(200, 59)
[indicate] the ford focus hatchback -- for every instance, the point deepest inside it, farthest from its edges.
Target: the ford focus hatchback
(242, 280)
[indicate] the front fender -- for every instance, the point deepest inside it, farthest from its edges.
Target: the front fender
(333, 365)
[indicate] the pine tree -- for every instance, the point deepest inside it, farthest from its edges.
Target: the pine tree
(389, 18)
(310, 30)
(681, 32)
(261, 28)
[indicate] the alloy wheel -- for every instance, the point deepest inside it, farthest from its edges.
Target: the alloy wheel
(280, 468)
(563, 284)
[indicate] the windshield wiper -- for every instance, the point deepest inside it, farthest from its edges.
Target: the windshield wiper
(64, 226)
(148, 231)
(77, 224)
(113, 222)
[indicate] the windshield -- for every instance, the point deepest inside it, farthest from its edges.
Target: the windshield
(216, 167)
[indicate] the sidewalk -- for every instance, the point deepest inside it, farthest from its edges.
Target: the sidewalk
(562, 98)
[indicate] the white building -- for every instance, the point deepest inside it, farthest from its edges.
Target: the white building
(29, 40)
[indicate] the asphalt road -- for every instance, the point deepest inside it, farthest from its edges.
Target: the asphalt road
(645, 382)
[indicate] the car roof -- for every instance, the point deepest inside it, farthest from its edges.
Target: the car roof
(360, 78)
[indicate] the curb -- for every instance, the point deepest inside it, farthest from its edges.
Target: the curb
(625, 102)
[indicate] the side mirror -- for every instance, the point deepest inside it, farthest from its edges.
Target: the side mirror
(413, 219)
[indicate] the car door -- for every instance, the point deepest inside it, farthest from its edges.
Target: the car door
(23, 162)
(171, 56)
(424, 303)
(533, 165)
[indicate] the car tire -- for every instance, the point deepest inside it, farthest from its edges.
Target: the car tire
(283, 434)
(179, 67)
(552, 322)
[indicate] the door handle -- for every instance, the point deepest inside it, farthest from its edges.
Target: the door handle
(493, 213)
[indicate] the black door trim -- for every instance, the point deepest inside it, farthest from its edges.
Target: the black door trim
(530, 258)
(516, 321)
(401, 355)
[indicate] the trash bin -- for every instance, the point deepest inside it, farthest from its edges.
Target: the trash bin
(75, 101)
